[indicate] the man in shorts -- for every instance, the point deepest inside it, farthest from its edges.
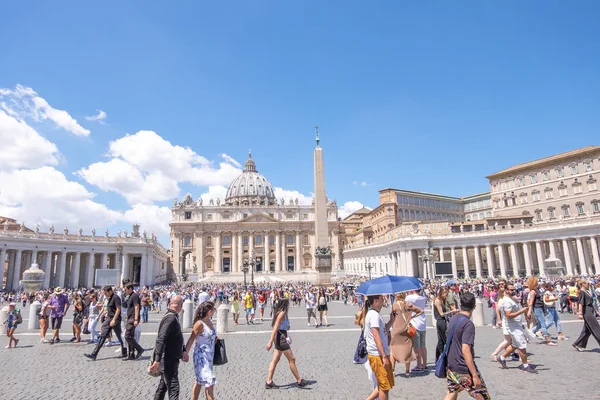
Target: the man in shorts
(513, 314)
(462, 373)
(378, 350)
(249, 307)
(59, 304)
(311, 301)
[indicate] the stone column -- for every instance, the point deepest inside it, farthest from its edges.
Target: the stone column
(104, 261)
(490, 260)
(298, 266)
(2, 261)
(540, 256)
(124, 267)
(527, 256)
(581, 256)
(267, 259)
(218, 259)
(587, 256)
(595, 255)
(284, 251)
(478, 268)
(278, 264)
(240, 251)
(144, 270)
(47, 269)
(502, 257)
(16, 277)
(454, 266)
(234, 254)
(61, 270)
(410, 263)
(465, 261)
(199, 236)
(75, 270)
(89, 275)
(441, 251)
(514, 259)
(567, 255)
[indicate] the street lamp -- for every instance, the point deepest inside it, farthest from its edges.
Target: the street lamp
(368, 266)
(250, 263)
(245, 271)
(427, 257)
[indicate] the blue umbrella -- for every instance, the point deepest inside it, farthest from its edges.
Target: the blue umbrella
(389, 284)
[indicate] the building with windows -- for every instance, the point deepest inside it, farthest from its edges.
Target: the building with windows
(72, 259)
(540, 217)
(274, 237)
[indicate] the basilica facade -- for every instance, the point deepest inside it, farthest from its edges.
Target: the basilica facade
(274, 238)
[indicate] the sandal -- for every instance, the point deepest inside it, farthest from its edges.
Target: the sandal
(551, 344)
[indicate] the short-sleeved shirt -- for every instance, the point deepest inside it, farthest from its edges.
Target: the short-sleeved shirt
(509, 305)
(114, 303)
(374, 320)
(310, 300)
(464, 333)
(452, 299)
(134, 300)
(419, 322)
(248, 301)
(58, 302)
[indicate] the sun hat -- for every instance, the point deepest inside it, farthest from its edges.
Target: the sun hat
(58, 290)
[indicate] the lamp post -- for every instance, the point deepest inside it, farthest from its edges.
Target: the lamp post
(245, 271)
(250, 263)
(427, 257)
(368, 266)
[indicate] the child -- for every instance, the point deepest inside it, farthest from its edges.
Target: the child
(14, 319)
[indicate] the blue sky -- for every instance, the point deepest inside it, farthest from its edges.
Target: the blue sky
(421, 96)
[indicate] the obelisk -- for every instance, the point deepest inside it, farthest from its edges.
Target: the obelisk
(322, 249)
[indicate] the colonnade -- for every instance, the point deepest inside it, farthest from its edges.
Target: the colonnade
(67, 268)
(578, 255)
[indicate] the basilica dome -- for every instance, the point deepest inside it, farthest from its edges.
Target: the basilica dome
(250, 187)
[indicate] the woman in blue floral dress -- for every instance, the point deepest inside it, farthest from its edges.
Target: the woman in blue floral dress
(204, 335)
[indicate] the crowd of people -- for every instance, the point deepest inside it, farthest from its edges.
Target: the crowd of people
(525, 310)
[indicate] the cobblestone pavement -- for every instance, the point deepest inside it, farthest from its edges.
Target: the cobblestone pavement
(324, 356)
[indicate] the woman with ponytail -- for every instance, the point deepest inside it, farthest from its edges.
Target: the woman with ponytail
(279, 337)
(204, 335)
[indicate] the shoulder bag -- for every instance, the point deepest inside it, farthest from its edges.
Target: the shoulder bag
(360, 354)
(411, 331)
(220, 357)
(441, 365)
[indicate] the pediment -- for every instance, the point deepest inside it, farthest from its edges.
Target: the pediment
(259, 217)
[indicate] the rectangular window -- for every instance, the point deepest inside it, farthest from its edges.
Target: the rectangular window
(226, 216)
(511, 185)
(271, 240)
(503, 185)
(208, 217)
(546, 176)
(551, 213)
(580, 209)
(523, 199)
(560, 172)
(304, 216)
(573, 169)
(563, 191)
(588, 166)
(536, 196)
(577, 189)
(565, 211)
(592, 187)
(596, 207)
(532, 179)
(521, 181)
(549, 195)
(188, 215)
(245, 240)
(538, 215)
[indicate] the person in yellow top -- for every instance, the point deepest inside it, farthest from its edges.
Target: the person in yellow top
(573, 296)
(249, 307)
(235, 307)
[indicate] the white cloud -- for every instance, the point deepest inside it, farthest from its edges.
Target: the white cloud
(152, 218)
(231, 160)
(348, 208)
(293, 195)
(23, 102)
(100, 117)
(45, 196)
(361, 183)
(22, 146)
(214, 192)
(146, 168)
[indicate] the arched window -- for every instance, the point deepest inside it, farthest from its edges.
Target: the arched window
(187, 241)
(271, 240)
(245, 240)
(290, 239)
(305, 240)
(259, 240)
(226, 240)
(208, 241)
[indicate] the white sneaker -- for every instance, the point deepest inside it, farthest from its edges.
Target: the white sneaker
(308, 324)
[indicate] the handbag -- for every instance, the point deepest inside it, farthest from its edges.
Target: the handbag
(220, 357)
(288, 339)
(441, 365)
(411, 331)
(360, 354)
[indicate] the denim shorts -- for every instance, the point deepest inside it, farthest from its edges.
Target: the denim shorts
(419, 339)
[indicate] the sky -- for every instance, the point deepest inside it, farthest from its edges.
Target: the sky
(111, 110)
